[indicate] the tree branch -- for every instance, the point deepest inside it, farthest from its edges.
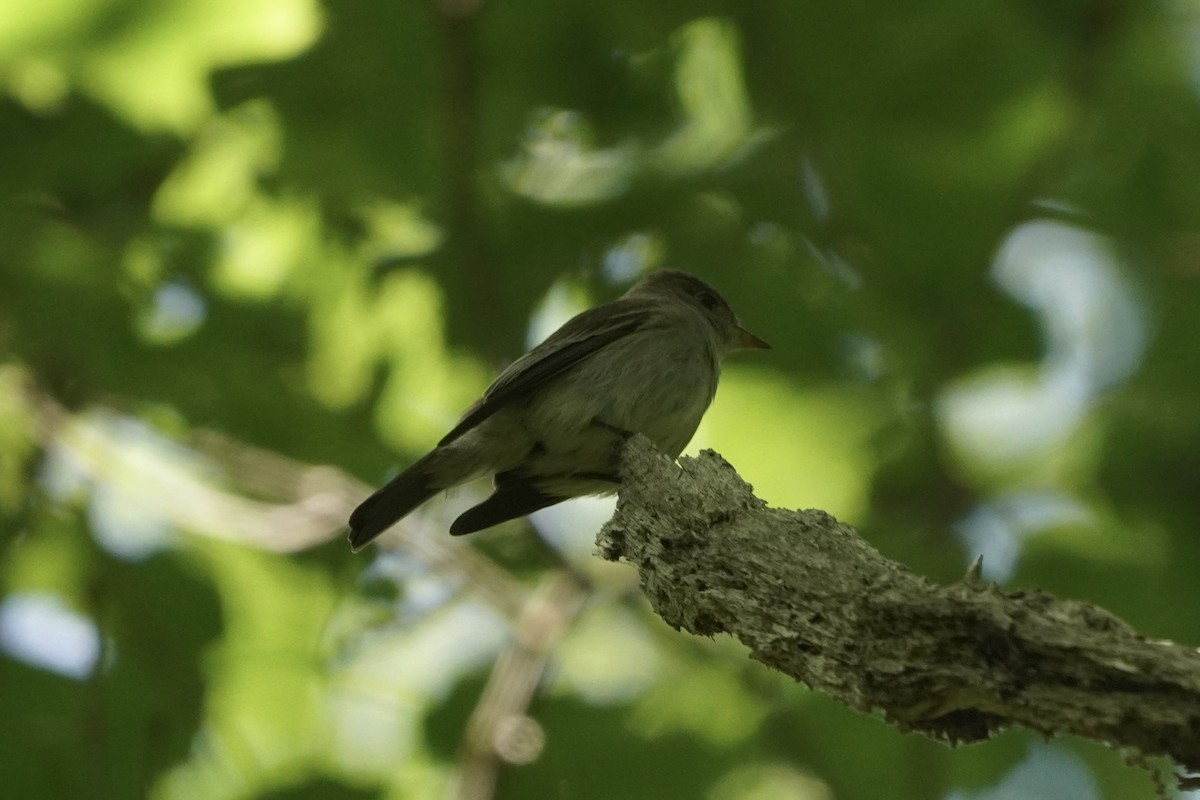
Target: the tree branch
(813, 600)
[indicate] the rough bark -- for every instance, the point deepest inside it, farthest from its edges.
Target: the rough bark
(811, 599)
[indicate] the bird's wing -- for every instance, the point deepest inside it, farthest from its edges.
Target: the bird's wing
(581, 337)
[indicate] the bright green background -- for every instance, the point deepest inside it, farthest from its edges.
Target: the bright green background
(251, 248)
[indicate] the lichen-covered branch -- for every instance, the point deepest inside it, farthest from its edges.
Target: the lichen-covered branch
(813, 600)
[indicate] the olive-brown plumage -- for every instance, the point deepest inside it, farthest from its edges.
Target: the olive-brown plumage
(550, 427)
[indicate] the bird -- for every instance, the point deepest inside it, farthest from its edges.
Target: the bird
(551, 426)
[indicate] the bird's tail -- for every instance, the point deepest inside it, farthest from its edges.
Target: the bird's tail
(393, 501)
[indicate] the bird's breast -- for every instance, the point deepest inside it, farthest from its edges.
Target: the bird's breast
(652, 382)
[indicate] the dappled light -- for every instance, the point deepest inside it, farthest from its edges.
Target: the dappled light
(1021, 431)
(559, 165)
(717, 124)
(808, 447)
(257, 256)
(43, 632)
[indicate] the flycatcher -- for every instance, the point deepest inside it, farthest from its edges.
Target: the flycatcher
(551, 426)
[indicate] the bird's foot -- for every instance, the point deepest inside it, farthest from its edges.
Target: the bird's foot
(622, 436)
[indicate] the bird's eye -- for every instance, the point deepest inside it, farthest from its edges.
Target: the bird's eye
(708, 300)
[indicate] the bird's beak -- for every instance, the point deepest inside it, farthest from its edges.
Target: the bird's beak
(748, 340)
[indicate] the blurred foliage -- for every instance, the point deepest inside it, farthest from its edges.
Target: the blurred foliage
(250, 249)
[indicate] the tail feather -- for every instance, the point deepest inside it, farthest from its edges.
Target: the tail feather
(514, 497)
(391, 503)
